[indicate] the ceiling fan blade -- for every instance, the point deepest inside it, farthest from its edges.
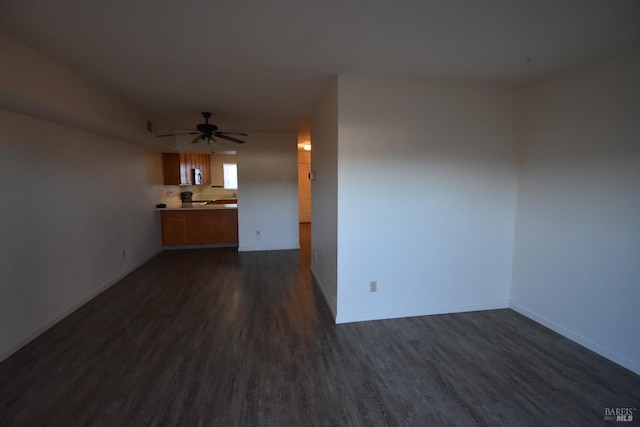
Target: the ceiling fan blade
(197, 139)
(228, 138)
(232, 133)
(174, 134)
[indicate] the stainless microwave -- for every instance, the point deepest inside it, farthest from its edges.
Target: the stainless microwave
(197, 176)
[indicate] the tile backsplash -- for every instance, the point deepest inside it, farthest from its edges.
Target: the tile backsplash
(171, 193)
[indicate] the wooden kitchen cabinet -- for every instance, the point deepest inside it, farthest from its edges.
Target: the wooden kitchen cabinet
(171, 168)
(174, 229)
(199, 227)
(178, 168)
(204, 163)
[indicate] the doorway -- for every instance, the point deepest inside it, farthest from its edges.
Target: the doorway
(304, 183)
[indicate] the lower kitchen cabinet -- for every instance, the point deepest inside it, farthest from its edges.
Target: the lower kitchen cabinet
(199, 227)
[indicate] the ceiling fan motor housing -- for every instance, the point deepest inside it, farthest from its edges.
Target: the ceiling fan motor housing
(207, 128)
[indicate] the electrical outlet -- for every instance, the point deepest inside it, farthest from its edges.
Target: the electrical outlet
(373, 286)
(124, 254)
(258, 235)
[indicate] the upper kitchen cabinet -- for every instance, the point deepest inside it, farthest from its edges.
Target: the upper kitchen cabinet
(181, 168)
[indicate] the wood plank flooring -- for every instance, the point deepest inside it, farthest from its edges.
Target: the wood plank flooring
(213, 337)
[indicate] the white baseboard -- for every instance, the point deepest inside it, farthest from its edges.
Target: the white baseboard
(418, 311)
(6, 352)
(253, 248)
(583, 341)
(324, 294)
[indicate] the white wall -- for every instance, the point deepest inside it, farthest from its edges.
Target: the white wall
(324, 196)
(34, 84)
(577, 252)
(74, 194)
(72, 201)
(268, 192)
(427, 193)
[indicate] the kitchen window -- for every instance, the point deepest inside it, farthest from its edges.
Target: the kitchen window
(230, 176)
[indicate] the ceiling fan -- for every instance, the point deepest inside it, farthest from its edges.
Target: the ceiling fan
(209, 132)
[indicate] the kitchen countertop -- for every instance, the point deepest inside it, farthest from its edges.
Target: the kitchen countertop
(198, 206)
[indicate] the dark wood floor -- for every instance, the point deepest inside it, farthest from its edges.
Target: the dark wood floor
(218, 338)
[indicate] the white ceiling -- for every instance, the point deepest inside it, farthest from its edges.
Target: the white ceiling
(261, 65)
